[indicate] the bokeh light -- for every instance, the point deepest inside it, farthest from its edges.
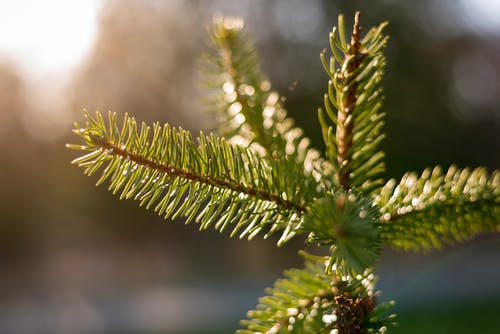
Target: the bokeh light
(47, 36)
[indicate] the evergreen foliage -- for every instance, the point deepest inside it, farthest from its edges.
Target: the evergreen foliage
(311, 301)
(249, 112)
(208, 180)
(353, 103)
(421, 213)
(261, 176)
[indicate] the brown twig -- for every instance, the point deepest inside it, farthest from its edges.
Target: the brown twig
(344, 132)
(172, 171)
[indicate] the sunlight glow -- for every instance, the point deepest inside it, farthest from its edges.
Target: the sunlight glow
(482, 14)
(46, 37)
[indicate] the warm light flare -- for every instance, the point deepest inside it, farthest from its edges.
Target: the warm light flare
(47, 36)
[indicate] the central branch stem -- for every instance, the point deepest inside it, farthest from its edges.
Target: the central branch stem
(345, 127)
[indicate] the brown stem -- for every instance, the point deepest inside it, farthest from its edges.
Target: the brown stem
(344, 131)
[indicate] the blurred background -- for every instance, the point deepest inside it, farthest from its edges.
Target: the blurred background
(74, 259)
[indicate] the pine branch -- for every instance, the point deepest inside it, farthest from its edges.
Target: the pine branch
(421, 213)
(353, 105)
(310, 301)
(266, 179)
(211, 182)
(250, 113)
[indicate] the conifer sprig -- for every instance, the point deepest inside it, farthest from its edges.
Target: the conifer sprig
(353, 105)
(436, 208)
(211, 182)
(265, 178)
(250, 113)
